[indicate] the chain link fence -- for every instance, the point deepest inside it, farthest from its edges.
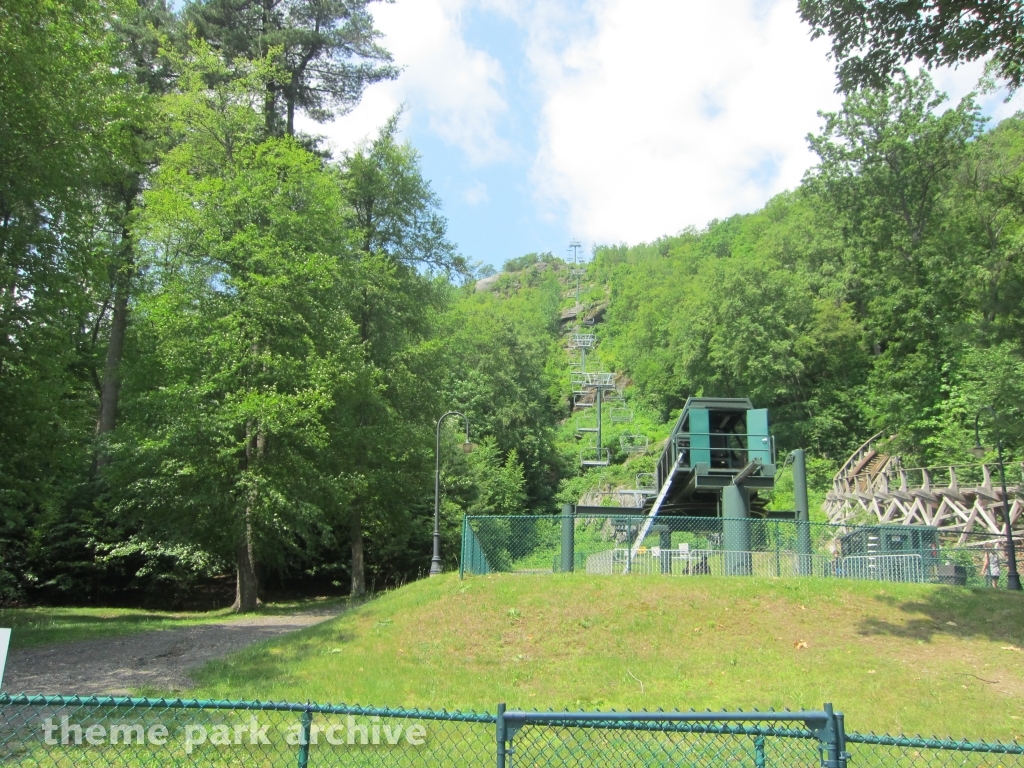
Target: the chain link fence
(50, 731)
(38, 731)
(692, 546)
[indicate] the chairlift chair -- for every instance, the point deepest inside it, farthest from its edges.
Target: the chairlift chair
(585, 400)
(620, 415)
(586, 422)
(595, 457)
(634, 444)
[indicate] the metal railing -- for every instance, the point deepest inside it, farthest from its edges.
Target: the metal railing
(727, 450)
(694, 546)
(947, 477)
(45, 731)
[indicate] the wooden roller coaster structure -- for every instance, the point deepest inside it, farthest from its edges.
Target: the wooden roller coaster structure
(873, 486)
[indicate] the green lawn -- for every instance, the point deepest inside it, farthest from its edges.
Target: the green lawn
(42, 626)
(893, 657)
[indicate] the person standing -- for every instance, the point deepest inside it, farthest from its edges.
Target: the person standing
(990, 567)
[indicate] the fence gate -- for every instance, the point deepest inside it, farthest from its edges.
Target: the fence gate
(810, 739)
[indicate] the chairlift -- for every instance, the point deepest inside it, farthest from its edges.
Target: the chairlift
(633, 444)
(586, 422)
(620, 415)
(595, 457)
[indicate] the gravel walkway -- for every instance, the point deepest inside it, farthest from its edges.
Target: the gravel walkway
(160, 659)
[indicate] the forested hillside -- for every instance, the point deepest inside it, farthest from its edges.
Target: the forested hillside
(225, 351)
(885, 293)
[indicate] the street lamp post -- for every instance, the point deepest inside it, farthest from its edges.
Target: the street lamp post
(1012, 577)
(435, 561)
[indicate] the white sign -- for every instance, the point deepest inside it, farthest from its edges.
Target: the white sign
(5, 641)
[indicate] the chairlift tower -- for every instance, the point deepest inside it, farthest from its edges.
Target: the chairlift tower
(577, 271)
(598, 383)
(583, 342)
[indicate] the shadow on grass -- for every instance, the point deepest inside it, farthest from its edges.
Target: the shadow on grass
(258, 664)
(989, 614)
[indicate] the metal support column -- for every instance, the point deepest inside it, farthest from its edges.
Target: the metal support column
(568, 538)
(803, 525)
(736, 530)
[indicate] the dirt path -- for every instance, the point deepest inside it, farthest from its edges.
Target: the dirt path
(161, 659)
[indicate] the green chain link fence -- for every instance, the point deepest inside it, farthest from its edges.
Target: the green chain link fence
(38, 731)
(45, 731)
(693, 546)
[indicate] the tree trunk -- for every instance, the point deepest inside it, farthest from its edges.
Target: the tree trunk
(356, 536)
(246, 583)
(122, 274)
(111, 386)
(246, 586)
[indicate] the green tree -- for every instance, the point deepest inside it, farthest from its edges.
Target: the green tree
(395, 220)
(243, 343)
(63, 100)
(326, 51)
(888, 162)
(120, 189)
(872, 40)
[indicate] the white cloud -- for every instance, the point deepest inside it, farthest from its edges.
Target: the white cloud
(455, 88)
(958, 82)
(669, 113)
(673, 113)
(656, 114)
(476, 193)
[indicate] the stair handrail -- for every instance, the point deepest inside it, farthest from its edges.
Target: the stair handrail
(854, 459)
(907, 478)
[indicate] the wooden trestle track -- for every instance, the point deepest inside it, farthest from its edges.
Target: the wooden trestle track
(967, 499)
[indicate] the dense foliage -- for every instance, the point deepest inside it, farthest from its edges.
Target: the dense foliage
(873, 39)
(224, 352)
(882, 294)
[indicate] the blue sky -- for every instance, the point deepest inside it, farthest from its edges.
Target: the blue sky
(605, 120)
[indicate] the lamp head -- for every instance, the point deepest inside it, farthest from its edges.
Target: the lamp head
(979, 451)
(468, 447)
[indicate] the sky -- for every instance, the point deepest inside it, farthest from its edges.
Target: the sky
(606, 121)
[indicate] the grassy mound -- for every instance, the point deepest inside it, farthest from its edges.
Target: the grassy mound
(894, 657)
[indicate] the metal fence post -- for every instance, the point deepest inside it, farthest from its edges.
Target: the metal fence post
(307, 721)
(568, 536)
(629, 544)
(841, 739)
(778, 552)
(834, 740)
(499, 722)
(759, 760)
(463, 548)
(803, 526)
